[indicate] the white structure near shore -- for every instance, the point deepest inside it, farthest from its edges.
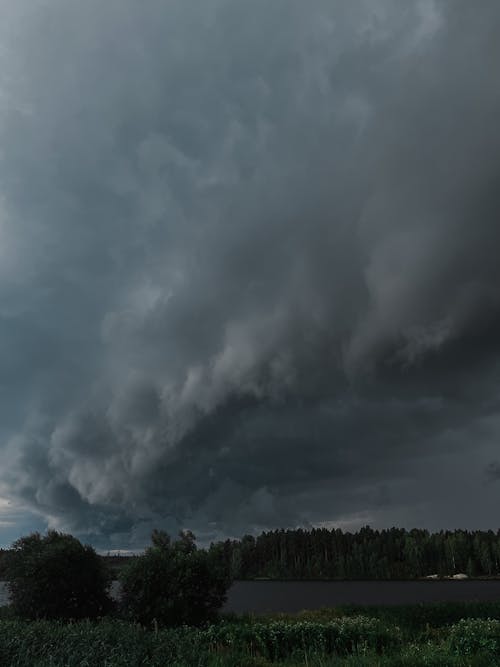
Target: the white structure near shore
(457, 577)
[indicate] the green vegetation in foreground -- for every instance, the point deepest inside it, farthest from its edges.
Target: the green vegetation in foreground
(418, 635)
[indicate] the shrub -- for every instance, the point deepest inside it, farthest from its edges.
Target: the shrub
(56, 577)
(475, 635)
(174, 583)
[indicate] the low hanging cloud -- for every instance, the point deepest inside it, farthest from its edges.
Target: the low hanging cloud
(248, 264)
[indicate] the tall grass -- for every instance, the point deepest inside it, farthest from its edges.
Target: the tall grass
(122, 643)
(430, 635)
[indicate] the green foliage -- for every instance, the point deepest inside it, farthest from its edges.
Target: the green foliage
(395, 553)
(316, 639)
(3, 563)
(55, 576)
(118, 643)
(470, 636)
(277, 640)
(415, 621)
(174, 583)
(417, 618)
(359, 641)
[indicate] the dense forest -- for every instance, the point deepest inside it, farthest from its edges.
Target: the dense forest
(320, 553)
(395, 553)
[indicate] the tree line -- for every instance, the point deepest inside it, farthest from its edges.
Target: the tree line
(394, 553)
(55, 576)
(320, 553)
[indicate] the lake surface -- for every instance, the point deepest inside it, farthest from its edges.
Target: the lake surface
(292, 596)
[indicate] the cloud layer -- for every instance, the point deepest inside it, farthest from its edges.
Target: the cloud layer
(248, 264)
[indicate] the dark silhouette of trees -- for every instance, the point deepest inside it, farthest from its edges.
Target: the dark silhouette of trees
(175, 583)
(394, 553)
(56, 576)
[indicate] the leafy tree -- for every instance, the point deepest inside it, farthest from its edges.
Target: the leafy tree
(393, 553)
(56, 576)
(3, 563)
(175, 583)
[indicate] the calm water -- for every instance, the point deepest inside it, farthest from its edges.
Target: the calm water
(291, 596)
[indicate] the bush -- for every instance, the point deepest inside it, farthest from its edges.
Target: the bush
(475, 635)
(174, 583)
(421, 616)
(56, 577)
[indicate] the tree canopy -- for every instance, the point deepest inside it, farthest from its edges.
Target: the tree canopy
(174, 582)
(393, 553)
(56, 576)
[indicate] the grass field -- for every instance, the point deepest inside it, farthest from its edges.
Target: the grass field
(440, 635)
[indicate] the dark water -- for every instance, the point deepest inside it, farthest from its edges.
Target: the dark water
(292, 596)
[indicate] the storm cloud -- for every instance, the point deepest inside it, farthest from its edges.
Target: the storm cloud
(249, 269)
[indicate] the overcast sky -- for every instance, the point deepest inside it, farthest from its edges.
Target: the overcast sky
(249, 266)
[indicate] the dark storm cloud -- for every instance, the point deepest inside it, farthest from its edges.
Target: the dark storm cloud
(248, 261)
